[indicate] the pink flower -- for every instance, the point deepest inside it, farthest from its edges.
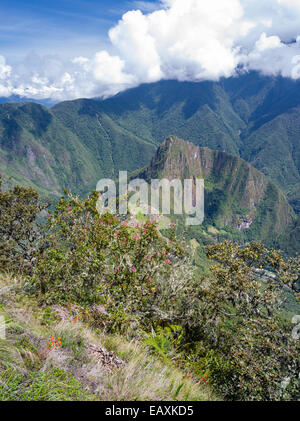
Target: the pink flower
(117, 233)
(69, 208)
(168, 261)
(157, 253)
(84, 230)
(101, 222)
(149, 258)
(49, 215)
(99, 195)
(172, 224)
(145, 231)
(124, 223)
(164, 252)
(136, 237)
(117, 270)
(173, 299)
(133, 269)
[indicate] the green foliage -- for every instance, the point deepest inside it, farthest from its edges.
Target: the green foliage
(290, 240)
(51, 385)
(19, 231)
(165, 341)
(90, 258)
(240, 322)
(48, 317)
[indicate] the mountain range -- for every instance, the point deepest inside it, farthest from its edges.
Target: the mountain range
(248, 118)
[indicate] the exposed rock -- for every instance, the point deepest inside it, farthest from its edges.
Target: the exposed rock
(245, 223)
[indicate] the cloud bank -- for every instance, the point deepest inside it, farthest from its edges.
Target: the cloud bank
(187, 40)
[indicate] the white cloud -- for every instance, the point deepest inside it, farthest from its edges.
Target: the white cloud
(172, 39)
(145, 6)
(291, 3)
(265, 43)
(4, 68)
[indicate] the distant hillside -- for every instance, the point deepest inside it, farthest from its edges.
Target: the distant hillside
(254, 117)
(75, 143)
(16, 99)
(73, 151)
(290, 240)
(237, 196)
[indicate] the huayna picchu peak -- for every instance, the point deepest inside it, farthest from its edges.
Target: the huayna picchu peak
(237, 195)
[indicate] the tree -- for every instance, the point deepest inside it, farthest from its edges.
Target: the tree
(129, 268)
(20, 234)
(242, 323)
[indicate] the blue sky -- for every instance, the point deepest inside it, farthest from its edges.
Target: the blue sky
(66, 49)
(65, 26)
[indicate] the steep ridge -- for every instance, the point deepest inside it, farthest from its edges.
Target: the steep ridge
(251, 116)
(237, 196)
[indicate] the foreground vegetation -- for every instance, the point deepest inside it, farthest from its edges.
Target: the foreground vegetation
(85, 280)
(31, 371)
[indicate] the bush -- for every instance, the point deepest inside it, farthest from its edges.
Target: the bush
(90, 258)
(241, 323)
(19, 232)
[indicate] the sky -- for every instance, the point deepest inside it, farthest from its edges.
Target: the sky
(67, 49)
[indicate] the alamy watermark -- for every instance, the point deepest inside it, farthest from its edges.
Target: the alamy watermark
(153, 198)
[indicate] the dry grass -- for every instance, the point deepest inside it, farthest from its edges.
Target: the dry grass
(143, 376)
(147, 378)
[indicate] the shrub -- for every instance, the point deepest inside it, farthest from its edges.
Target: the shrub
(90, 258)
(19, 232)
(242, 324)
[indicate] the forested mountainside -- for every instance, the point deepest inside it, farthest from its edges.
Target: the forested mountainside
(254, 117)
(37, 148)
(237, 196)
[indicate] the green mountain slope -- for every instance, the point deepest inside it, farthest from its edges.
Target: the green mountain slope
(254, 117)
(72, 151)
(290, 240)
(198, 112)
(76, 143)
(238, 198)
(274, 148)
